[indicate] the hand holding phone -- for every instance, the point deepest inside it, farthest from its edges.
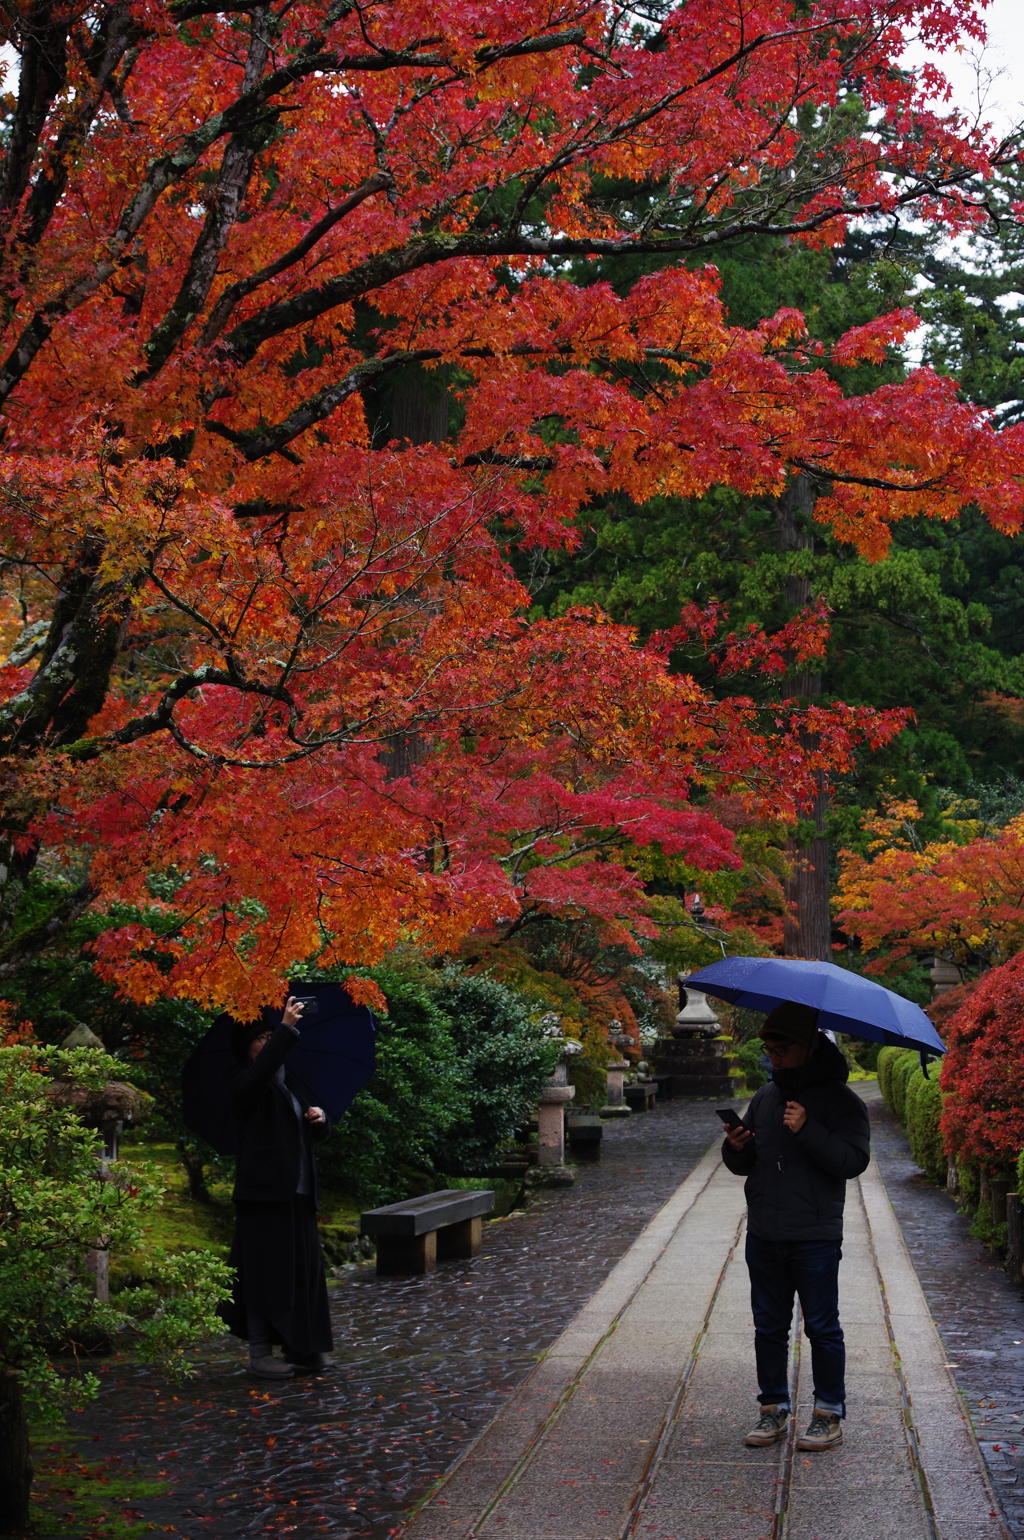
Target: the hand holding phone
(736, 1131)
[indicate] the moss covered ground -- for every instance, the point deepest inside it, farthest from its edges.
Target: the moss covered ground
(75, 1498)
(179, 1224)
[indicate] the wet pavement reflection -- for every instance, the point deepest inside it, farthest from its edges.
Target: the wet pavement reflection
(423, 1364)
(977, 1309)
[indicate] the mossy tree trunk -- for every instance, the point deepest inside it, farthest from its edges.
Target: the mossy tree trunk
(15, 1456)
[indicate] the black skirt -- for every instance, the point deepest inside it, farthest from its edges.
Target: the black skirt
(280, 1272)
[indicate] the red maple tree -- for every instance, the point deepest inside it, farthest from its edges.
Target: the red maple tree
(962, 897)
(983, 1071)
(232, 610)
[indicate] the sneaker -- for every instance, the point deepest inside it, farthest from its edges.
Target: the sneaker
(824, 1431)
(771, 1426)
(269, 1368)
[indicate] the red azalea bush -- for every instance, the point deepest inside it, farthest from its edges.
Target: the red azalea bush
(983, 1072)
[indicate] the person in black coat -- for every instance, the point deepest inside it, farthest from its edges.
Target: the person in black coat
(804, 1136)
(280, 1292)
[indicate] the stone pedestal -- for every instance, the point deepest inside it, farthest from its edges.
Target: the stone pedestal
(615, 1104)
(693, 1056)
(551, 1124)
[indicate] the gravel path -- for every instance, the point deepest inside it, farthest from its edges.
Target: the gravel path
(423, 1364)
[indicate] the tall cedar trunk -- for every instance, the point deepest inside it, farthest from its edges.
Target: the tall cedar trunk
(15, 1457)
(807, 927)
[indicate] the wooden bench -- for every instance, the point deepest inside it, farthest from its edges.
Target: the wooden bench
(641, 1097)
(412, 1236)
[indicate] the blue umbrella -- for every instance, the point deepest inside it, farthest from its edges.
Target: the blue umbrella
(334, 1058)
(847, 1001)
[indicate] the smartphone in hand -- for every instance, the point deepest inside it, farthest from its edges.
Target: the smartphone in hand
(729, 1117)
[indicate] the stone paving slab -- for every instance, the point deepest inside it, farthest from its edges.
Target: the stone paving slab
(632, 1426)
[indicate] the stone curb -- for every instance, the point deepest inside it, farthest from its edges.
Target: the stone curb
(955, 1482)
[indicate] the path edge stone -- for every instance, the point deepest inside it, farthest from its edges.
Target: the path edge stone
(943, 1441)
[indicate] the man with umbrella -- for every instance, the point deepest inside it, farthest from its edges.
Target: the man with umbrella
(280, 1291)
(804, 1136)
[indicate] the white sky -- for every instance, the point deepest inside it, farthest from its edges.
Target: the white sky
(1002, 68)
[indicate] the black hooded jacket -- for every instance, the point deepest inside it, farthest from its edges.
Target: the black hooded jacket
(796, 1183)
(270, 1136)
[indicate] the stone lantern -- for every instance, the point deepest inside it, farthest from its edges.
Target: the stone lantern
(942, 975)
(692, 1055)
(615, 1106)
(551, 1112)
(107, 1108)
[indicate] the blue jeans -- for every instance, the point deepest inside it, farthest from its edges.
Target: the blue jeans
(810, 1270)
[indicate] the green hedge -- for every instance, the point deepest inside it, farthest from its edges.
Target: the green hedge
(902, 1070)
(924, 1109)
(886, 1059)
(917, 1102)
(894, 1068)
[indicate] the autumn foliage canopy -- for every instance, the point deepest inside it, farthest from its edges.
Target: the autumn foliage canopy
(963, 898)
(234, 596)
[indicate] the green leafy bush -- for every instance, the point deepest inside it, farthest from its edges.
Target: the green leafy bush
(504, 1060)
(924, 1112)
(747, 1057)
(461, 1059)
(393, 1127)
(57, 1205)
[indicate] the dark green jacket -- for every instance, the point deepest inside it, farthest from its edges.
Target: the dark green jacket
(796, 1183)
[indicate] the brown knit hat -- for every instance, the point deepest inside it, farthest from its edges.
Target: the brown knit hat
(799, 1023)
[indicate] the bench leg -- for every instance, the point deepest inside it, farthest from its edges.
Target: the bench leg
(461, 1240)
(397, 1254)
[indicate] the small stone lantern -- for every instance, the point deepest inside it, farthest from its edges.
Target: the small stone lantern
(107, 1109)
(553, 1099)
(942, 975)
(615, 1106)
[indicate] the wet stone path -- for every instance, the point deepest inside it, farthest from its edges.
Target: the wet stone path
(978, 1311)
(423, 1364)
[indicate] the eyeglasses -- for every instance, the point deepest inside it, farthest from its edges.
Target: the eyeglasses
(776, 1047)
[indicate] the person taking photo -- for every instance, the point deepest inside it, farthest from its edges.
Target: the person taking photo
(280, 1293)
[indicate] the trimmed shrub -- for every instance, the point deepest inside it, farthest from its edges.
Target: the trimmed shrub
(886, 1060)
(924, 1130)
(902, 1070)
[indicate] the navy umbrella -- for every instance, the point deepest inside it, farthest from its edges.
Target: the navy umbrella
(847, 1001)
(334, 1058)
